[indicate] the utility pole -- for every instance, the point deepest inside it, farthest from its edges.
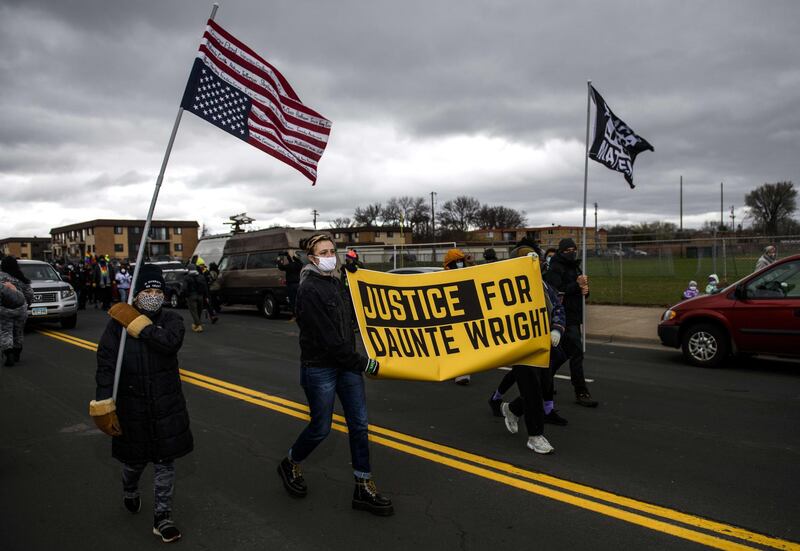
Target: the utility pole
(315, 213)
(733, 219)
(433, 217)
(596, 244)
(681, 202)
(721, 223)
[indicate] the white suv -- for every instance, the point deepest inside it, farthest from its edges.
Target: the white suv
(53, 298)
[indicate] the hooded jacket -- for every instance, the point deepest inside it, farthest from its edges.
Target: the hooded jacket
(150, 404)
(562, 275)
(324, 316)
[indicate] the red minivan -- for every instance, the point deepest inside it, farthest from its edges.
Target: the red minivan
(759, 314)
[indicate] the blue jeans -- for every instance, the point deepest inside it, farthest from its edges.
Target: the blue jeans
(321, 385)
(123, 294)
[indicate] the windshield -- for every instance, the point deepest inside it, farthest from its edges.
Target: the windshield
(39, 272)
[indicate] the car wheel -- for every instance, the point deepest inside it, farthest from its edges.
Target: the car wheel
(705, 345)
(70, 322)
(173, 300)
(268, 306)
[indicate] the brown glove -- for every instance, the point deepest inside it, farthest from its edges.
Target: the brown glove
(104, 414)
(129, 317)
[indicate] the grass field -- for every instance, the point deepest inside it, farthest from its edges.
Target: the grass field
(653, 281)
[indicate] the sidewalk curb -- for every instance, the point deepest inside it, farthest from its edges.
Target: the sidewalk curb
(614, 339)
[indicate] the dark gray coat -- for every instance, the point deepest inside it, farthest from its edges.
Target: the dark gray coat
(150, 404)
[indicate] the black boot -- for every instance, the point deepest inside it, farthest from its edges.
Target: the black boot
(17, 353)
(9, 356)
(292, 478)
(164, 527)
(367, 498)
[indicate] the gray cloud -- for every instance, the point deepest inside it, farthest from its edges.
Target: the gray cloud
(91, 89)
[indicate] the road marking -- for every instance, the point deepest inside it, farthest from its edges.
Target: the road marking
(480, 466)
(556, 376)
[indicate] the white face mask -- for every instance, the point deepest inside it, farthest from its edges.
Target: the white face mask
(327, 263)
(149, 303)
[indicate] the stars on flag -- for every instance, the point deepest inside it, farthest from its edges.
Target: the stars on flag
(220, 103)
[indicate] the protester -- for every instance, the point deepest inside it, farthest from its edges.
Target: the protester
(548, 256)
(767, 258)
(691, 291)
(89, 285)
(490, 255)
(565, 276)
(149, 421)
(713, 285)
(207, 302)
(453, 260)
(330, 365)
(123, 279)
(196, 296)
(211, 276)
(103, 278)
(12, 313)
(291, 266)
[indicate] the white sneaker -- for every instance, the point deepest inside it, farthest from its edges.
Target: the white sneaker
(539, 444)
(462, 380)
(512, 421)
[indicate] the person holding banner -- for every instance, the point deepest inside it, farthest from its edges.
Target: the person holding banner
(453, 260)
(331, 366)
(566, 277)
(148, 421)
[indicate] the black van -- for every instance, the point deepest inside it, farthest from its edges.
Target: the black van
(248, 270)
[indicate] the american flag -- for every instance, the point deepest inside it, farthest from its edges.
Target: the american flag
(236, 90)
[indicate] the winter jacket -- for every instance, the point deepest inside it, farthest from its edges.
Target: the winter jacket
(124, 280)
(562, 275)
(150, 403)
(18, 313)
(196, 284)
(558, 316)
(764, 261)
(100, 279)
(292, 269)
(10, 299)
(326, 327)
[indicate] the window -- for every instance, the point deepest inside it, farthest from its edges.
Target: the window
(377, 234)
(178, 247)
(118, 230)
(490, 235)
(235, 262)
(355, 236)
(119, 247)
(337, 235)
(137, 230)
(261, 260)
(389, 234)
(178, 231)
(780, 282)
(159, 233)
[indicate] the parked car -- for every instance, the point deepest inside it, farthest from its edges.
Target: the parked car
(175, 287)
(759, 314)
(416, 270)
(248, 270)
(53, 298)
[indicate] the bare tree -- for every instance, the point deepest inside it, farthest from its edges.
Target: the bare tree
(460, 213)
(771, 206)
(367, 216)
(499, 217)
(340, 223)
(391, 213)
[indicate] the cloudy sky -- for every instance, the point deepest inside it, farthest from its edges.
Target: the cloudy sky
(486, 99)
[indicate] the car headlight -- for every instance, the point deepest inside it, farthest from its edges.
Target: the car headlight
(668, 315)
(67, 293)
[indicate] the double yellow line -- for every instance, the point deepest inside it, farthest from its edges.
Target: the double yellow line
(661, 519)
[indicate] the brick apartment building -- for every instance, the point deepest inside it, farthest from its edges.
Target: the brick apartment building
(30, 248)
(120, 239)
(353, 237)
(546, 236)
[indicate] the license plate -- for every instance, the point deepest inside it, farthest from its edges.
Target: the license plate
(39, 311)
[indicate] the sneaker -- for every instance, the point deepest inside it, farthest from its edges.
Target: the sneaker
(539, 444)
(463, 380)
(292, 478)
(164, 527)
(583, 398)
(555, 419)
(512, 421)
(495, 405)
(367, 498)
(132, 504)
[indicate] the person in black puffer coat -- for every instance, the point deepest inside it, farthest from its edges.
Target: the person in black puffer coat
(330, 365)
(149, 421)
(566, 277)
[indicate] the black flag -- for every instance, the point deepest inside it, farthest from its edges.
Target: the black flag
(615, 143)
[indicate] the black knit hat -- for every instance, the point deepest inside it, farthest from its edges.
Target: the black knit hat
(490, 254)
(150, 277)
(565, 244)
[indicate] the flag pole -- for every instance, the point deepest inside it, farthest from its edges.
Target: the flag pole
(146, 231)
(585, 189)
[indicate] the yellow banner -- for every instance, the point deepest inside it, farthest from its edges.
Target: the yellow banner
(436, 326)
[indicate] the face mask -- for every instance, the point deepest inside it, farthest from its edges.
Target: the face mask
(123, 270)
(149, 303)
(327, 263)
(459, 264)
(570, 256)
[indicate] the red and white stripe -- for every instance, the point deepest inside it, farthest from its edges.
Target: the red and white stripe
(279, 123)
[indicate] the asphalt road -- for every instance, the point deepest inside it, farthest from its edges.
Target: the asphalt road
(675, 457)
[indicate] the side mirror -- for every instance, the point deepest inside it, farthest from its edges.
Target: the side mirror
(740, 292)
